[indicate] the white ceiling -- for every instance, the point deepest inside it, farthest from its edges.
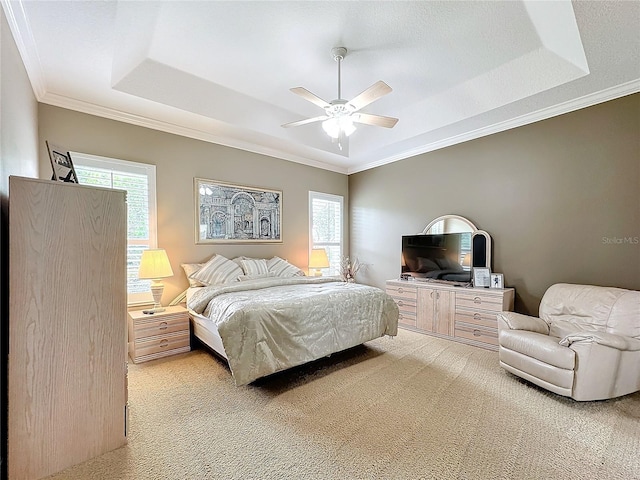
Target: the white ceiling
(221, 71)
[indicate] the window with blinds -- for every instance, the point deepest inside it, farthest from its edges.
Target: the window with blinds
(138, 179)
(325, 227)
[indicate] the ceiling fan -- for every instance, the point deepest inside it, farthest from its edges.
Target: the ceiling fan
(340, 115)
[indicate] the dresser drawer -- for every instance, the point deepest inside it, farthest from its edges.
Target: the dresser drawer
(151, 326)
(406, 305)
(479, 301)
(407, 319)
(402, 292)
(161, 343)
(476, 317)
(476, 333)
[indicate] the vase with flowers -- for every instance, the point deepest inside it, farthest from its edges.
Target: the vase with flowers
(349, 268)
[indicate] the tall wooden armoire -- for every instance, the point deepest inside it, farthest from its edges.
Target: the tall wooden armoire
(67, 325)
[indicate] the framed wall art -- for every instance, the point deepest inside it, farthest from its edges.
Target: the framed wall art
(227, 213)
(61, 164)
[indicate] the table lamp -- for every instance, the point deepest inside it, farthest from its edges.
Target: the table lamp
(154, 265)
(318, 260)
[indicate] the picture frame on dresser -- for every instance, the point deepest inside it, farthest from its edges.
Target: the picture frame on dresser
(61, 163)
(481, 277)
(497, 280)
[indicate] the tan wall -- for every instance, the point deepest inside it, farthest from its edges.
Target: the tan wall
(178, 160)
(18, 156)
(555, 195)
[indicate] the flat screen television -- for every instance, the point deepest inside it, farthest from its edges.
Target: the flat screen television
(443, 256)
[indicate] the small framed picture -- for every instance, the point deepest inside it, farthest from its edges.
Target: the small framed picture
(497, 280)
(61, 163)
(481, 277)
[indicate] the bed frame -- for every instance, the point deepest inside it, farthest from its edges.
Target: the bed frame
(209, 336)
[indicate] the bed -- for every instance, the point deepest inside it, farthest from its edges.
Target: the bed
(265, 325)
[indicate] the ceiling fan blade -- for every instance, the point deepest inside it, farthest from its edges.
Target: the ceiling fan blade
(377, 120)
(307, 95)
(305, 121)
(370, 95)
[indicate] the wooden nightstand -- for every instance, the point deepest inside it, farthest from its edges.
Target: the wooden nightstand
(158, 335)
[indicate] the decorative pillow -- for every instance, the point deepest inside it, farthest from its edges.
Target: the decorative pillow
(217, 270)
(190, 269)
(254, 266)
(243, 278)
(282, 268)
(238, 260)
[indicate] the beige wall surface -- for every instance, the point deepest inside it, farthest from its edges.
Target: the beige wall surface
(18, 156)
(18, 114)
(178, 160)
(560, 198)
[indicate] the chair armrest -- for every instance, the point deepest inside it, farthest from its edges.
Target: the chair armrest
(517, 321)
(602, 338)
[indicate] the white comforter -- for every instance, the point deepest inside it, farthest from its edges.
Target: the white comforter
(271, 324)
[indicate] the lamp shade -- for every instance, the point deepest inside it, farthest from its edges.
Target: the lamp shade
(154, 264)
(318, 258)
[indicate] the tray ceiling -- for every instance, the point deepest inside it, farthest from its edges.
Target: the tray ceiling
(221, 71)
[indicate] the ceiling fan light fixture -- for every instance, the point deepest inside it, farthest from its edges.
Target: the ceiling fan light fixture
(336, 125)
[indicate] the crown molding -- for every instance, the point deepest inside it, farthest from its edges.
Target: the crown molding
(189, 132)
(585, 101)
(23, 36)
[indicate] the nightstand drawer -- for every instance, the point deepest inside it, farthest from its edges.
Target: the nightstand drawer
(481, 301)
(162, 343)
(149, 327)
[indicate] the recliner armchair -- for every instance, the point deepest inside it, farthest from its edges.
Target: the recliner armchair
(584, 345)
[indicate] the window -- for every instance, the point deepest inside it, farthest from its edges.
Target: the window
(325, 227)
(139, 180)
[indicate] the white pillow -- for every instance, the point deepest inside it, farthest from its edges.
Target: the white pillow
(190, 269)
(242, 278)
(282, 268)
(217, 270)
(254, 266)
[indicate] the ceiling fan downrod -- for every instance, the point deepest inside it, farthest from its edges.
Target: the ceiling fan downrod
(338, 54)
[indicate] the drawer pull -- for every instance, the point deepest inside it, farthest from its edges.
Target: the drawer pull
(400, 303)
(477, 300)
(163, 326)
(400, 290)
(477, 316)
(477, 333)
(164, 342)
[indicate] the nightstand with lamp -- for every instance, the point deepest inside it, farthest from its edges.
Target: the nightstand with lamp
(157, 332)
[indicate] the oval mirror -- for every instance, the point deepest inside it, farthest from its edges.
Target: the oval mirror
(450, 224)
(481, 240)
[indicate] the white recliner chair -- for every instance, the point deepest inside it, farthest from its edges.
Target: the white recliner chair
(585, 344)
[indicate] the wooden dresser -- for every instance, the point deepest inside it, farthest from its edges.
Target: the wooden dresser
(466, 315)
(67, 329)
(158, 335)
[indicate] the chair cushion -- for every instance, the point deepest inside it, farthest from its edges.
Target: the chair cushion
(538, 346)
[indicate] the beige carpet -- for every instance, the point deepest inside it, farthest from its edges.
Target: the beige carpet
(412, 407)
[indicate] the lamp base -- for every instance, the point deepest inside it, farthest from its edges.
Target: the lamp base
(317, 272)
(157, 287)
